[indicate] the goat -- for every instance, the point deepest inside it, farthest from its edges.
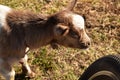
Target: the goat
(24, 30)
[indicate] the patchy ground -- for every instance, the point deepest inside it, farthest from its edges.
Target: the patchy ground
(103, 26)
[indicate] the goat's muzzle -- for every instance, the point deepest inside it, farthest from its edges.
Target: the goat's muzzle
(85, 42)
(85, 45)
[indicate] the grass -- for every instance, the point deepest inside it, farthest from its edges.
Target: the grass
(103, 26)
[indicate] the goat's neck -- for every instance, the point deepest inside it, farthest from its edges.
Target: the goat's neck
(38, 32)
(39, 36)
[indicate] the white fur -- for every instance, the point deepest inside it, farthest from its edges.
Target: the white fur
(78, 21)
(10, 74)
(3, 12)
(25, 64)
(4, 70)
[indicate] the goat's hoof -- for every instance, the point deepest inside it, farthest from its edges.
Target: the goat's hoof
(31, 75)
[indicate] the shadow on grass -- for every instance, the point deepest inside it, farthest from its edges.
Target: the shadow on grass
(21, 76)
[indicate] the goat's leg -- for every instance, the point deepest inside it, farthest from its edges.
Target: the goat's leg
(26, 68)
(6, 70)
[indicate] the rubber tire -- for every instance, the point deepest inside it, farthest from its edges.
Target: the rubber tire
(105, 68)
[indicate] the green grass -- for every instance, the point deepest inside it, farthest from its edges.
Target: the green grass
(103, 26)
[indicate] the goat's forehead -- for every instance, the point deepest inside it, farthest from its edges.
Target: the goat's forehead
(78, 21)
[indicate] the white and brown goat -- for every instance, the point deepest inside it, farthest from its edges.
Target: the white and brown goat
(20, 30)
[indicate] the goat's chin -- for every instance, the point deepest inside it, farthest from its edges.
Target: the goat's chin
(78, 47)
(83, 47)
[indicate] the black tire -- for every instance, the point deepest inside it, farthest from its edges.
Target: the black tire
(105, 68)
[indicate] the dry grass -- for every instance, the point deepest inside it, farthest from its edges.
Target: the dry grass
(103, 26)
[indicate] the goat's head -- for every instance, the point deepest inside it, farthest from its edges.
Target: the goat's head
(69, 29)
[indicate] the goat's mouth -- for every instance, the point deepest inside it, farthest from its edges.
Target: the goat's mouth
(83, 46)
(79, 46)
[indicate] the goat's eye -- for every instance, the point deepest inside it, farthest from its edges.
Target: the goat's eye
(74, 34)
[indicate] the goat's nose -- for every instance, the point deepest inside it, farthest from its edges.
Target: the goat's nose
(88, 43)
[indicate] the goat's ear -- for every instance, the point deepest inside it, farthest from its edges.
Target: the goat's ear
(61, 30)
